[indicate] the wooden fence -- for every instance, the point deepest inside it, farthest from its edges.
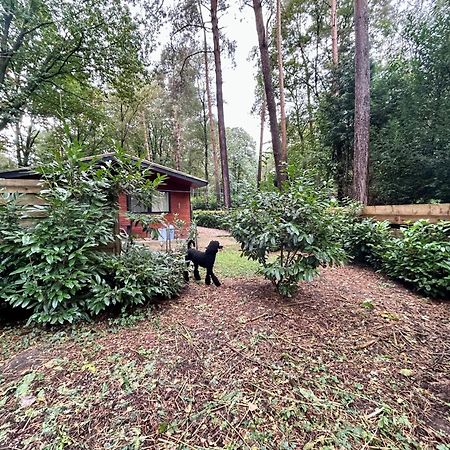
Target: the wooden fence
(400, 214)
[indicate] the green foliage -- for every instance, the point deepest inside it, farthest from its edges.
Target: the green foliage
(298, 224)
(421, 257)
(241, 159)
(410, 98)
(53, 45)
(410, 109)
(204, 203)
(418, 256)
(54, 268)
(365, 240)
(6, 162)
(135, 277)
(48, 268)
(148, 222)
(212, 219)
(335, 118)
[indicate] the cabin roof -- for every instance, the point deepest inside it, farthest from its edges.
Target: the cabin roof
(29, 173)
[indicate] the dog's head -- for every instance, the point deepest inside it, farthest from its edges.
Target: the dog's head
(213, 247)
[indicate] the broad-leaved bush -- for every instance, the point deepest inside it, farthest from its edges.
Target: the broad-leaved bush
(219, 219)
(365, 240)
(291, 232)
(418, 255)
(55, 268)
(135, 277)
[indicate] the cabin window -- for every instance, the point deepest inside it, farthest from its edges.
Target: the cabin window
(160, 204)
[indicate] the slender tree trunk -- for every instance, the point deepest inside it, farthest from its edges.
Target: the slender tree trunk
(281, 83)
(220, 113)
(32, 135)
(24, 146)
(17, 140)
(334, 34)
(205, 139)
(146, 143)
(122, 126)
(334, 46)
(261, 142)
(270, 96)
(309, 106)
(177, 140)
(362, 103)
(212, 131)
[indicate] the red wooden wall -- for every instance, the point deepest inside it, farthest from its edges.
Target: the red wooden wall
(179, 203)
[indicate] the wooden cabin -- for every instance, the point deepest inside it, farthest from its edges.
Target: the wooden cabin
(173, 198)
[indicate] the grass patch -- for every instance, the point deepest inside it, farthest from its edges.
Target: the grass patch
(230, 263)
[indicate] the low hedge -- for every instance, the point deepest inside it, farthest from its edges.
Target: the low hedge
(212, 219)
(419, 256)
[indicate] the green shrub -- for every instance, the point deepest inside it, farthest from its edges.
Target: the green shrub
(54, 269)
(365, 240)
(203, 203)
(421, 257)
(212, 219)
(418, 256)
(300, 223)
(49, 268)
(136, 277)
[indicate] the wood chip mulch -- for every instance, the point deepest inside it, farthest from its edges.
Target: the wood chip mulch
(353, 360)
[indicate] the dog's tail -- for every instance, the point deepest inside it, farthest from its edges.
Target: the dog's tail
(190, 243)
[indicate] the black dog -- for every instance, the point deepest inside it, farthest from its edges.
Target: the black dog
(204, 259)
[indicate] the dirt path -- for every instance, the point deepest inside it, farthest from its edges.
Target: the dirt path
(352, 361)
(205, 235)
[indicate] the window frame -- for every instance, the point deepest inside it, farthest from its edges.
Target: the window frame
(149, 209)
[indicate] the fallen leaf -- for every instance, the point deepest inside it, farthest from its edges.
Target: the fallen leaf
(389, 315)
(252, 407)
(27, 401)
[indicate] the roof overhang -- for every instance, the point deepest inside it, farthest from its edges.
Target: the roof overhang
(194, 182)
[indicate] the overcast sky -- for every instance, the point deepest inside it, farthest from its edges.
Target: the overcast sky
(239, 81)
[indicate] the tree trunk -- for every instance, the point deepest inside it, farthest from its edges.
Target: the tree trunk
(205, 140)
(24, 146)
(334, 34)
(270, 96)
(177, 140)
(281, 83)
(261, 142)
(17, 140)
(309, 106)
(146, 143)
(212, 132)
(220, 114)
(362, 103)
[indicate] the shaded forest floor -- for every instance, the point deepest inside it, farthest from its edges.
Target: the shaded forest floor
(352, 361)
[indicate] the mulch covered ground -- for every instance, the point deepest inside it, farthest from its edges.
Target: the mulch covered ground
(352, 361)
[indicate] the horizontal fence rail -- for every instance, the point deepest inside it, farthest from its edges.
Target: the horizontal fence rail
(29, 190)
(400, 214)
(22, 186)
